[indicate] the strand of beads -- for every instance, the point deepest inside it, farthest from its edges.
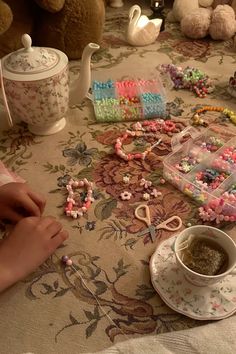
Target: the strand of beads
(189, 78)
(227, 112)
(72, 208)
(132, 156)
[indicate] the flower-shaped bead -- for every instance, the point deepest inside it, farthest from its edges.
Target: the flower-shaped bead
(144, 183)
(146, 196)
(125, 195)
(126, 179)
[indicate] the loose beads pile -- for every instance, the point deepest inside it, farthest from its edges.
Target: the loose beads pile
(130, 156)
(226, 161)
(186, 164)
(210, 178)
(189, 78)
(227, 112)
(158, 125)
(146, 185)
(72, 208)
(212, 145)
(218, 210)
(128, 100)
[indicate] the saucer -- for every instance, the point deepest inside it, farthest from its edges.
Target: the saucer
(212, 302)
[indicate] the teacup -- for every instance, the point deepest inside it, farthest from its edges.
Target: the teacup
(213, 234)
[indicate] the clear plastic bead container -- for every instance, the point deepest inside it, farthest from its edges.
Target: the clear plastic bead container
(205, 158)
(128, 99)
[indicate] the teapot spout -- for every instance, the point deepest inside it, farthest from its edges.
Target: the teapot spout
(80, 87)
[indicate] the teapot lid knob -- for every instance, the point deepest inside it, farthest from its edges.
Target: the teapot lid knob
(27, 42)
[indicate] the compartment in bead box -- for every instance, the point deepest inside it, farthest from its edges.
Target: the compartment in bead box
(128, 100)
(204, 168)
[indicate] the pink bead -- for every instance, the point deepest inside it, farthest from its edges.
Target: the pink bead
(69, 262)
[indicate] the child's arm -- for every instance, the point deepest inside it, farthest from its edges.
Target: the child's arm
(30, 243)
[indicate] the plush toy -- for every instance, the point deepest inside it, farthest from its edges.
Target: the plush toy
(182, 8)
(220, 23)
(68, 25)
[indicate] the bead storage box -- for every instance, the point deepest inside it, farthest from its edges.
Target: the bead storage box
(128, 99)
(204, 168)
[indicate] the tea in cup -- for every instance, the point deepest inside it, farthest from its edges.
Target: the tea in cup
(205, 254)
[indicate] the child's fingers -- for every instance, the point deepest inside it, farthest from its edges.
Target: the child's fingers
(29, 206)
(54, 228)
(38, 199)
(47, 221)
(58, 239)
(12, 215)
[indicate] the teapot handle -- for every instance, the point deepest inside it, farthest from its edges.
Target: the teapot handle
(9, 118)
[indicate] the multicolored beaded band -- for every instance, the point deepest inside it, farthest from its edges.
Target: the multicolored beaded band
(227, 112)
(132, 156)
(72, 208)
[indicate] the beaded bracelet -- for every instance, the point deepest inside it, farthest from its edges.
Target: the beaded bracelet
(227, 112)
(71, 207)
(132, 156)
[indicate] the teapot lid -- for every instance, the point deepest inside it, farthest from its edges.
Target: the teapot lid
(33, 63)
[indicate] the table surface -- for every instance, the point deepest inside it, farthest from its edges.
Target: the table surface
(52, 311)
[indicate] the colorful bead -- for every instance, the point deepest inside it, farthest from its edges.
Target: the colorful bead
(126, 179)
(145, 184)
(210, 178)
(156, 193)
(146, 196)
(66, 260)
(189, 78)
(125, 195)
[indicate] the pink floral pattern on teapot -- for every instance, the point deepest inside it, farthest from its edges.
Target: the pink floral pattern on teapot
(39, 102)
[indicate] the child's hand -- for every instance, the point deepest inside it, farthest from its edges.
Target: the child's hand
(30, 243)
(18, 201)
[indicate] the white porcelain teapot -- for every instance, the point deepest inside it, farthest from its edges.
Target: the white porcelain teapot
(35, 85)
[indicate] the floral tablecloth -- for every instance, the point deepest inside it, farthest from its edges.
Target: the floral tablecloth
(53, 311)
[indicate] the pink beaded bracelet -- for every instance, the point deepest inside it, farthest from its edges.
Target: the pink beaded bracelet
(72, 208)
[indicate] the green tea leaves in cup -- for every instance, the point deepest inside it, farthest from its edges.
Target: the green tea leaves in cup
(205, 256)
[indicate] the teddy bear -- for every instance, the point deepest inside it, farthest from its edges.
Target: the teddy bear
(219, 23)
(68, 25)
(184, 7)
